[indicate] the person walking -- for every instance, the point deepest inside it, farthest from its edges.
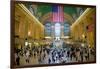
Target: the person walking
(17, 59)
(27, 56)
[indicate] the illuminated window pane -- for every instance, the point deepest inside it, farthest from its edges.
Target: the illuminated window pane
(48, 29)
(57, 29)
(66, 29)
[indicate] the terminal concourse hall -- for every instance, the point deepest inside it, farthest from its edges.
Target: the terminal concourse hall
(53, 34)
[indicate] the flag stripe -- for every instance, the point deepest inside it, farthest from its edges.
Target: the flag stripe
(57, 13)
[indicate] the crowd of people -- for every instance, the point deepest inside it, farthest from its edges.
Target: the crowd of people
(38, 51)
(47, 54)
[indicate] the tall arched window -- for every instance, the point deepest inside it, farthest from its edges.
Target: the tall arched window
(66, 29)
(48, 29)
(57, 29)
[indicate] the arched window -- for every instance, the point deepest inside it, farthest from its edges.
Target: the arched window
(66, 29)
(48, 29)
(57, 29)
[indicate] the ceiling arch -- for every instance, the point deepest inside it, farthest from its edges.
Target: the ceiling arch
(47, 16)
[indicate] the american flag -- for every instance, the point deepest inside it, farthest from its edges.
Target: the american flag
(57, 14)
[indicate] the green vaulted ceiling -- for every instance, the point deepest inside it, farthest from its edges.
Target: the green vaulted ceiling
(70, 10)
(46, 8)
(42, 9)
